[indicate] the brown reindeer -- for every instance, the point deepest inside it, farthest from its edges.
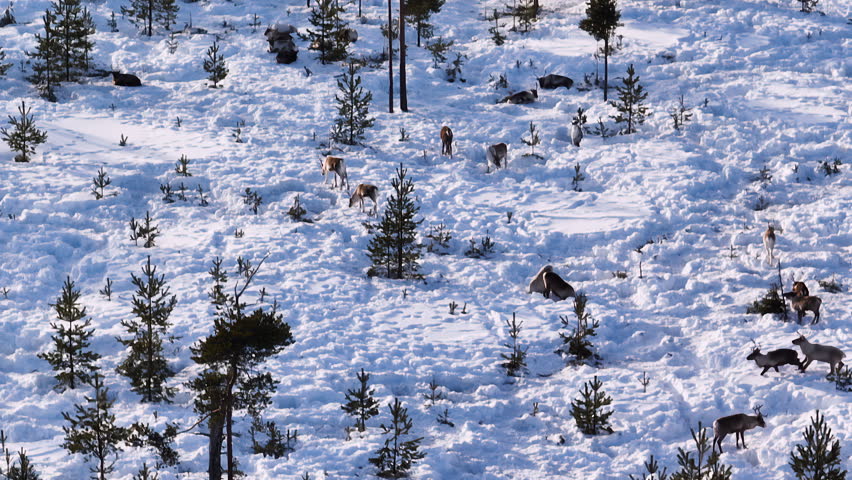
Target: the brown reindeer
(496, 155)
(363, 191)
(446, 141)
(769, 243)
(736, 424)
(338, 167)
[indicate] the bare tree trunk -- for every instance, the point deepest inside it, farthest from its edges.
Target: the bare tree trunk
(403, 88)
(606, 66)
(214, 465)
(390, 56)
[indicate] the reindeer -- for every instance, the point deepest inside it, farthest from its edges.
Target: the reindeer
(524, 97)
(554, 284)
(446, 141)
(554, 81)
(338, 167)
(496, 155)
(362, 191)
(576, 132)
(125, 80)
(774, 359)
(802, 304)
(537, 283)
(769, 243)
(736, 424)
(833, 356)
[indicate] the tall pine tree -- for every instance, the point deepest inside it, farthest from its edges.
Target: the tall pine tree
(398, 455)
(231, 354)
(630, 108)
(353, 108)
(360, 402)
(92, 431)
(393, 249)
(46, 60)
(588, 411)
(418, 13)
(329, 36)
(145, 14)
(145, 365)
(70, 359)
(602, 18)
(819, 458)
(72, 32)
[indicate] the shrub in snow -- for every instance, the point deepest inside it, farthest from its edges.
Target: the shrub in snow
(819, 458)
(532, 140)
(8, 18)
(353, 108)
(652, 471)
(215, 65)
(99, 183)
(145, 364)
(434, 395)
(231, 356)
(182, 166)
(631, 110)
(267, 439)
(393, 249)
(439, 49)
(70, 357)
(23, 470)
(439, 239)
(577, 342)
(680, 114)
(24, 137)
(145, 474)
(589, 410)
(496, 36)
(454, 70)
(771, 302)
(297, 212)
(831, 286)
(830, 166)
(481, 250)
(577, 178)
(147, 231)
(602, 18)
(842, 379)
(253, 200)
(515, 363)
(4, 67)
(360, 402)
(808, 6)
(698, 465)
(398, 455)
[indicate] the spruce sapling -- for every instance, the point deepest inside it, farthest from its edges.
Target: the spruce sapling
(589, 411)
(24, 470)
(819, 458)
(107, 290)
(45, 59)
(70, 357)
(360, 402)
(24, 136)
(434, 395)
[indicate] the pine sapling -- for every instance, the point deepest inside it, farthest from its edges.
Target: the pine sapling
(23, 470)
(145, 473)
(112, 23)
(454, 70)
(297, 212)
(444, 418)
(394, 250)
(645, 380)
(652, 471)
(353, 108)
(107, 290)
(631, 95)
(435, 394)
(439, 49)
(253, 200)
(532, 140)
(398, 455)
(700, 466)
(360, 402)
(680, 114)
(182, 166)
(819, 458)
(515, 363)
(577, 343)
(589, 411)
(24, 136)
(577, 178)
(99, 183)
(215, 65)
(122, 141)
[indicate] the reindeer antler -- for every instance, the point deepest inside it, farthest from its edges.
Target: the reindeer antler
(756, 345)
(756, 409)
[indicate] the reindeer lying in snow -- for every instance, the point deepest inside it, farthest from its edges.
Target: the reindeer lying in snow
(363, 191)
(338, 167)
(736, 424)
(547, 282)
(521, 98)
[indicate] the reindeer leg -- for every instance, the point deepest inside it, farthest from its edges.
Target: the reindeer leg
(764, 370)
(776, 369)
(744, 445)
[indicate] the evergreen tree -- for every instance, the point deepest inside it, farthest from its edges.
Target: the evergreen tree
(147, 13)
(577, 342)
(397, 456)
(215, 65)
(699, 466)
(145, 364)
(231, 354)
(328, 35)
(24, 136)
(808, 6)
(630, 108)
(353, 108)
(602, 18)
(533, 140)
(819, 458)
(418, 12)
(92, 431)
(588, 411)
(24, 470)
(393, 249)
(69, 358)
(146, 474)
(360, 402)
(73, 25)
(515, 363)
(46, 59)
(4, 67)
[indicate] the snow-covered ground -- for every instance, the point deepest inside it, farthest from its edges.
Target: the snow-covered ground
(769, 86)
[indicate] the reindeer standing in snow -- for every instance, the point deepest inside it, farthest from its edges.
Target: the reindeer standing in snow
(338, 167)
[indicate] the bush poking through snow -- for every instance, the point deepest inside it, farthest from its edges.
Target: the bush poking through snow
(439, 49)
(819, 458)
(577, 342)
(145, 473)
(122, 141)
(4, 67)
(24, 136)
(533, 140)
(296, 211)
(434, 395)
(483, 249)
(454, 70)
(631, 110)
(516, 363)
(652, 471)
(147, 231)
(771, 302)
(107, 290)
(439, 239)
(215, 65)
(99, 183)
(830, 166)
(360, 402)
(694, 467)
(182, 166)
(444, 418)
(578, 177)
(496, 36)
(276, 444)
(842, 379)
(397, 456)
(589, 411)
(680, 114)
(253, 200)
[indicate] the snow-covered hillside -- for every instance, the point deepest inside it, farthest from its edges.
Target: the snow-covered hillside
(768, 85)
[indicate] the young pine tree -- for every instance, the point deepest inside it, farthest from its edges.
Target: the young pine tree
(46, 59)
(698, 465)
(533, 140)
(630, 108)
(147, 13)
(145, 365)
(70, 359)
(418, 12)
(589, 410)
(353, 108)
(360, 402)
(92, 431)
(584, 325)
(393, 249)
(602, 18)
(145, 473)
(397, 456)
(4, 67)
(215, 65)
(328, 35)
(23, 470)
(72, 29)
(24, 136)
(231, 354)
(819, 458)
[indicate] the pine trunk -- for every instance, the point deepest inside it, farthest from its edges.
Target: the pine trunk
(606, 67)
(150, 17)
(403, 89)
(214, 465)
(390, 56)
